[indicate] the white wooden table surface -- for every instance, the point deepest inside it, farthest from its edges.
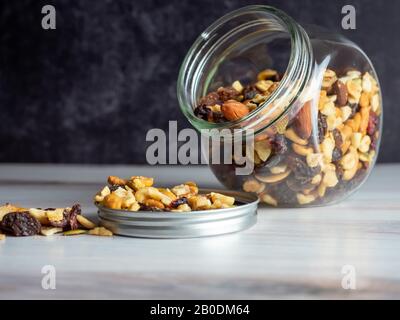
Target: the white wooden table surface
(290, 253)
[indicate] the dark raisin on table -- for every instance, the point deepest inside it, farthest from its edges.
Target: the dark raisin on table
(72, 221)
(20, 224)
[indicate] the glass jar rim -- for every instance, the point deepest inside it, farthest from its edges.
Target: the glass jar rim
(298, 69)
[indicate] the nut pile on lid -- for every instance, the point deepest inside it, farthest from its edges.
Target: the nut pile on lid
(314, 154)
(19, 222)
(138, 193)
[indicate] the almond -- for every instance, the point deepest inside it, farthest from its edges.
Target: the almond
(340, 90)
(234, 110)
(302, 122)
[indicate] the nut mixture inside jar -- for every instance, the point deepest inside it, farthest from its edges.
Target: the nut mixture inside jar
(138, 194)
(313, 155)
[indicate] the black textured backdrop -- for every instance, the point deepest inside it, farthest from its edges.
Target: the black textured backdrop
(89, 91)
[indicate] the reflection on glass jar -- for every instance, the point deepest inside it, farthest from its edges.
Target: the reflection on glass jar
(312, 98)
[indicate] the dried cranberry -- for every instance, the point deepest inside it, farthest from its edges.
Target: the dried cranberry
(373, 122)
(20, 224)
(279, 144)
(210, 99)
(227, 93)
(203, 112)
(322, 127)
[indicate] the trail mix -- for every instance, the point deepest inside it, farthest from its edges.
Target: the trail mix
(18, 221)
(312, 156)
(138, 194)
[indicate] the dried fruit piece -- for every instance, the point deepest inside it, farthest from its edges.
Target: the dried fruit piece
(100, 231)
(74, 232)
(7, 208)
(291, 135)
(199, 202)
(237, 86)
(263, 149)
(226, 200)
(112, 201)
(267, 74)
(178, 202)
(252, 185)
(49, 231)
(20, 224)
(305, 199)
(302, 150)
(268, 199)
(85, 222)
(227, 93)
(113, 180)
(234, 110)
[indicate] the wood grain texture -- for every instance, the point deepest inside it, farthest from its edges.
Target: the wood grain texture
(289, 253)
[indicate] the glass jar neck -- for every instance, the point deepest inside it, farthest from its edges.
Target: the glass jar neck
(234, 27)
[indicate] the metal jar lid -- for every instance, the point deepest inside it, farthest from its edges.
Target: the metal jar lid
(147, 224)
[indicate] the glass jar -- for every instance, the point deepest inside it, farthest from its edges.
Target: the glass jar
(316, 133)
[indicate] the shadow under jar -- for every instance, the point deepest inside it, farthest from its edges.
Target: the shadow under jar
(311, 98)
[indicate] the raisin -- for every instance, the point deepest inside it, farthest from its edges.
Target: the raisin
(338, 138)
(147, 208)
(203, 112)
(176, 203)
(373, 122)
(113, 187)
(279, 144)
(210, 99)
(71, 217)
(283, 194)
(336, 154)
(227, 93)
(62, 223)
(20, 224)
(297, 185)
(301, 170)
(355, 107)
(249, 92)
(218, 117)
(322, 127)
(272, 161)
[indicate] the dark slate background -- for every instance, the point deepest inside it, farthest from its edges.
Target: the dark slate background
(89, 91)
